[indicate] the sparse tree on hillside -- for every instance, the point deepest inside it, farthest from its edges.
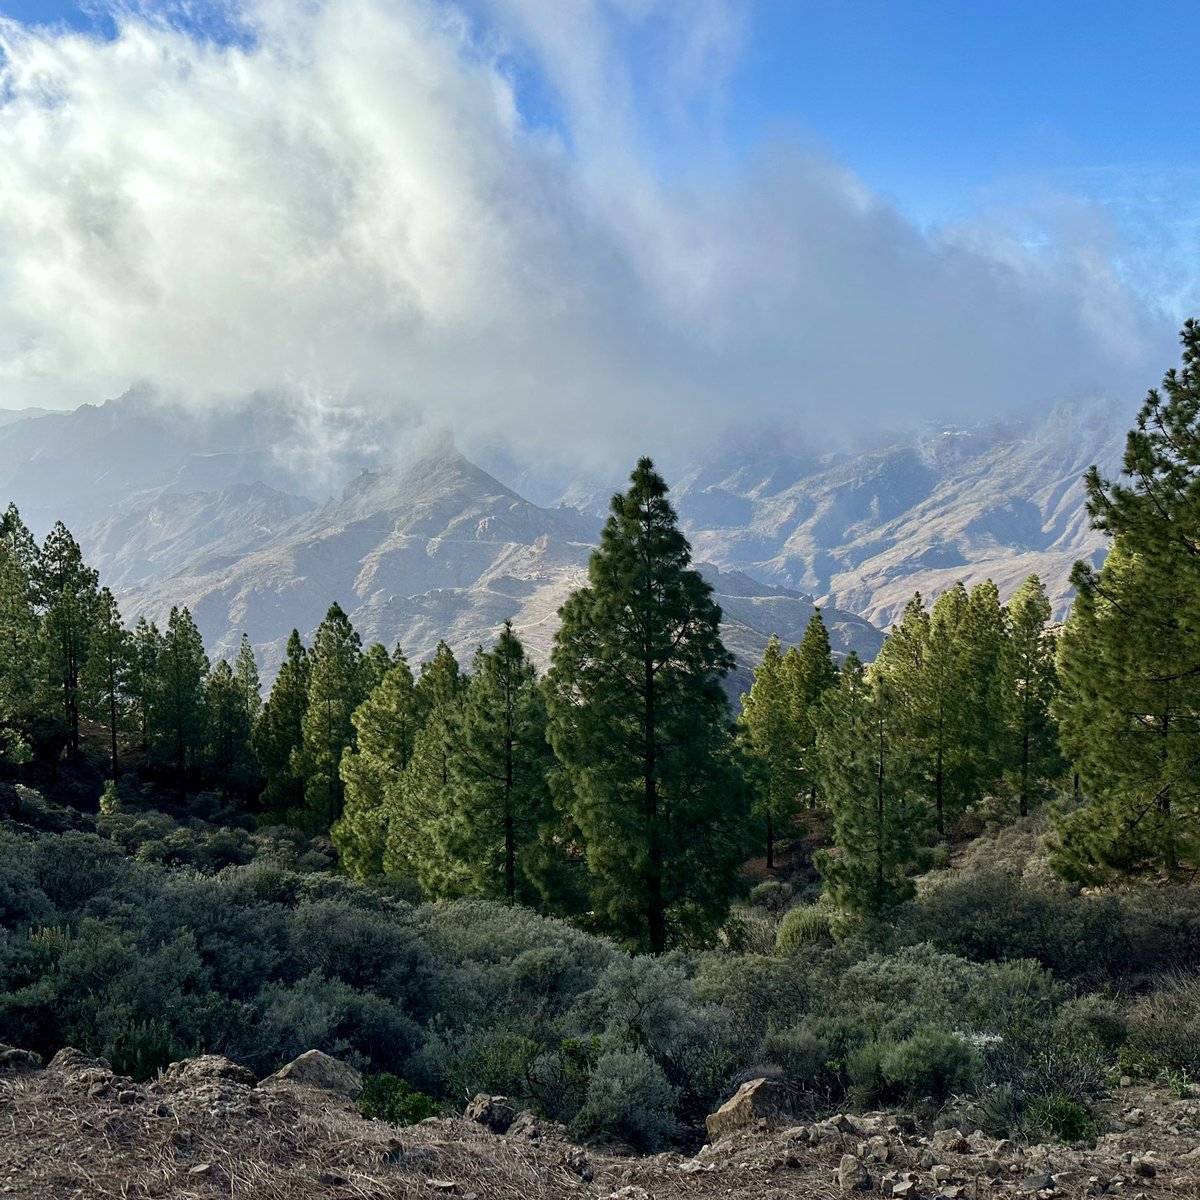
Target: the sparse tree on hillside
(22, 666)
(642, 730)
(249, 685)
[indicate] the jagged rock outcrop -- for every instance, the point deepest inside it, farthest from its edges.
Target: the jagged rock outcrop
(316, 1069)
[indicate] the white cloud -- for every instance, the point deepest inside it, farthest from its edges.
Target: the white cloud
(352, 203)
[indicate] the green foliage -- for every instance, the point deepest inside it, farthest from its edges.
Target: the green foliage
(1131, 695)
(1164, 1030)
(385, 727)
(865, 778)
(1060, 1117)
(641, 729)
(279, 731)
(177, 725)
(801, 925)
(629, 1096)
(388, 1098)
(929, 1065)
(335, 690)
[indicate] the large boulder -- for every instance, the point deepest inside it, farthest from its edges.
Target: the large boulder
(754, 1100)
(320, 1070)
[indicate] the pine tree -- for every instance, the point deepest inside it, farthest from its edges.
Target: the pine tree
(1130, 655)
(1030, 681)
(22, 667)
(179, 674)
(641, 728)
(809, 672)
(984, 635)
(69, 593)
(500, 812)
(227, 718)
(774, 751)
(107, 675)
(418, 808)
(335, 690)
(865, 777)
(249, 684)
(279, 731)
(385, 727)
(143, 678)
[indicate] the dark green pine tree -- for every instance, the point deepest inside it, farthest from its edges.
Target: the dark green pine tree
(385, 727)
(809, 672)
(500, 816)
(24, 680)
(279, 732)
(773, 752)
(865, 778)
(984, 633)
(143, 680)
(1031, 757)
(179, 718)
(418, 808)
(335, 690)
(107, 676)
(68, 591)
(1130, 655)
(249, 684)
(230, 761)
(642, 730)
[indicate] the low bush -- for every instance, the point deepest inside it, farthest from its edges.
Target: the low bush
(801, 926)
(628, 1096)
(388, 1098)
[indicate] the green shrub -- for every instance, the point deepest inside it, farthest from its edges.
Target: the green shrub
(930, 1065)
(1164, 1031)
(1060, 1117)
(628, 1096)
(773, 895)
(802, 1055)
(801, 926)
(390, 1098)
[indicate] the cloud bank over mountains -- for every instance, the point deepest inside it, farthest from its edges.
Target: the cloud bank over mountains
(490, 216)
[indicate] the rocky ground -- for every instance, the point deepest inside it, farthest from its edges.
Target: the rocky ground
(206, 1128)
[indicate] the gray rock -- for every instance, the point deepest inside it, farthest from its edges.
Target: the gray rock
(492, 1112)
(852, 1174)
(207, 1068)
(949, 1141)
(320, 1070)
(16, 1061)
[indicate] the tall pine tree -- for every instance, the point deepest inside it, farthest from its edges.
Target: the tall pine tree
(774, 750)
(279, 732)
(106, 677)
(1130, 654)
(500, 815)
(385, 726)
(642, 730)
(179, 675)
(809, 672)
(865, 774)
(335, 690)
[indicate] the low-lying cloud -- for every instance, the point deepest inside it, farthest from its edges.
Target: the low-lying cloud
(356, 199)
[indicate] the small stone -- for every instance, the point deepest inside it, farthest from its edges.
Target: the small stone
(904, 1187)
(579, 1164)
(200, 1169)
(989, 1166)
(1145, 1168)
(852, 1175)
(127, 1097)
(1038, 1183)
(877, 1149)
(1126, 1081)
(442, 1185)
(941, 1173)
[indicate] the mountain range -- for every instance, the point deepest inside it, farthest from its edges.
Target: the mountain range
(258, 516)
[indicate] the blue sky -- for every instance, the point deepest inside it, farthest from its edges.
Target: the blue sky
(695, 209)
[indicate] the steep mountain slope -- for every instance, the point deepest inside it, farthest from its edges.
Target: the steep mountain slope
(866, 531)
(434, 549)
